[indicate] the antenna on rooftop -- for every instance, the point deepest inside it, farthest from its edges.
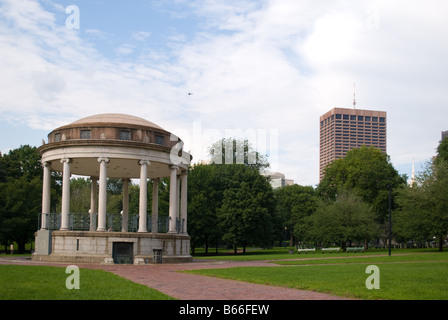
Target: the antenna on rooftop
(354, 96)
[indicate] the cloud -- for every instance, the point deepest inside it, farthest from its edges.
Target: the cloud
(251, 64)
(125, 49)
(141, 35)
(48, 84)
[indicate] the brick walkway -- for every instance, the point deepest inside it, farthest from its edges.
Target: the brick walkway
(185, 286)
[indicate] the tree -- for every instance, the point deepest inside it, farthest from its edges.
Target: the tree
(80, 195)
(346, 219)
(205, 192)
(411, 221)
(423, 213)
(214, 190)
(20, 195)
(247, 209)
(237, 151)
(23, 161)
(368, 172)
(442, 149)
(294, 206)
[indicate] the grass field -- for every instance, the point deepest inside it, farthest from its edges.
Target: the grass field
(18, 282)
(411, 275)
(280, 253)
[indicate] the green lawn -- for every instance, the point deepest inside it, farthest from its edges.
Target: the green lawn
(279, 253)
(406, 275)
(19, 282)
(416, 276)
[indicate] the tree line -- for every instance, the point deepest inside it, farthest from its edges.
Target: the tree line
(234, 204)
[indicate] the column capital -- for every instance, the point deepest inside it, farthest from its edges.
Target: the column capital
(66, 160)
(46, 164)
(173, 167)
(105, 159)
(144, 162)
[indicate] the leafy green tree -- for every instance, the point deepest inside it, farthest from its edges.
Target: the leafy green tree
(423, 213)
(213, 192)
(344, 220)
(412, 221)
(80, 195)
(20, 195)
(204, 199)
(294, 205)
(442, 149)
(23, 161)
(246, 214)
(368, 172)
(237, 151)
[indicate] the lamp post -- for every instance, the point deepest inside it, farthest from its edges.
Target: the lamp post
(390, 219)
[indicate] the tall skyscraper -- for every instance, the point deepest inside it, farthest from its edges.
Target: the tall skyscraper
(444, 134)
(343, 129)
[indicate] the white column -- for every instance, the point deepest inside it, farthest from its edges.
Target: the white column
(143, 204)
(102, 198)
(65, 207)
(46, 194)
(177, 197)
(173, 199)
(125, 212)
(155, 206)
(93, 201)
(183, 201)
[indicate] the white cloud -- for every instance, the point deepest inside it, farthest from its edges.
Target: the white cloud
(125, 49)
(263, 65)
(141, 35)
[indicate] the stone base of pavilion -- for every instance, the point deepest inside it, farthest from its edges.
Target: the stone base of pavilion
(111, 247)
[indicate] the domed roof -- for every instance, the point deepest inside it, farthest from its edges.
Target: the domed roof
(116, 118)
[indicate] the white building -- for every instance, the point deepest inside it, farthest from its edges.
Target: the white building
(278, 180)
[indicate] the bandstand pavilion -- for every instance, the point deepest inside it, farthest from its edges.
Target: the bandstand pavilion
(114, 146)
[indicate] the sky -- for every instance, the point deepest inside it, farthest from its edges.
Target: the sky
(265, 70)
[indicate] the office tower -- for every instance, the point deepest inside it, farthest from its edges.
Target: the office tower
(343, 129)
(444, 134)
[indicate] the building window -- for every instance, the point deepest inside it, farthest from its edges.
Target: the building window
(345, 117)
(374, 119)
(360, 118)
(338, 116)
(382, 119)
(85, 134)
(57, 137)
(124, 135)
(367, 118)
(160, 139)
